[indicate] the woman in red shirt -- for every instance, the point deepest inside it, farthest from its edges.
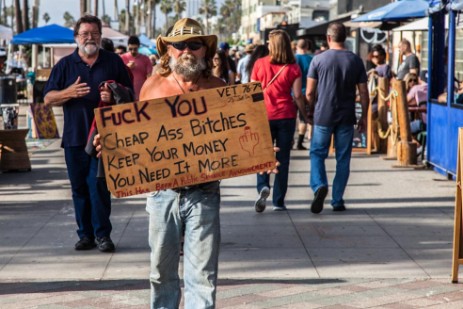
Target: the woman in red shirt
(281, 83)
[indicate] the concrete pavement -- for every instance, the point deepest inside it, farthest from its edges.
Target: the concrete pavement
(392, 248)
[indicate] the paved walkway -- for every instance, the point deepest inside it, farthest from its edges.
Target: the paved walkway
(391, 249)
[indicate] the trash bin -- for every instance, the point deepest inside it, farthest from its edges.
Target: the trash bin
(10, 114)
(8, 90)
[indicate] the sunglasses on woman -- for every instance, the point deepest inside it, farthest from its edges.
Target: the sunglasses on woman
(193, 45)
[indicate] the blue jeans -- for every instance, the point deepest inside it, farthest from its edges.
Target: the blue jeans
(321, 139)
(195, 211)
(282, 132)
(92, 200)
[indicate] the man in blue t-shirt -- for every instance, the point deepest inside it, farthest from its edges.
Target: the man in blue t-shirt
(243, 74)
(74, 83)
(334, 75)
(303, 59)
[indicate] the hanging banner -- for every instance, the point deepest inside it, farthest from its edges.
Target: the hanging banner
(185, 140)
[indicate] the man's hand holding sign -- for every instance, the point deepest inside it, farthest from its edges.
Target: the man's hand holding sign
(184, 140)
(187, 132)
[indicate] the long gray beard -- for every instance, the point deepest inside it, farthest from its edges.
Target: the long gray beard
(187, 66)
(89, 48)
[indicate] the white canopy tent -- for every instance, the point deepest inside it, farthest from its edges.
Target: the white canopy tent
(115, 36)
(6, 33)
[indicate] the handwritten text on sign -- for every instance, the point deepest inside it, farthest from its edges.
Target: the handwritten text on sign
(185, 140)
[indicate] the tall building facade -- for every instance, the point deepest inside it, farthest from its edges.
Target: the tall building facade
(258, 15)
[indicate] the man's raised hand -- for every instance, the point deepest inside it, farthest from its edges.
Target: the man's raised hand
(78, 89)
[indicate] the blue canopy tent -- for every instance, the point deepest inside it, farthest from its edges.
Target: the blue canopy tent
(396, 11)
(45, 35)
(50, 34)
(147, 47)
(145, 41)
(147, 51)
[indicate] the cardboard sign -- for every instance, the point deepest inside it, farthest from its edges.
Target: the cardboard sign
(185, 140)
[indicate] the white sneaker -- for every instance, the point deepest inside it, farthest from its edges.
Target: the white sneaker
(259, 205)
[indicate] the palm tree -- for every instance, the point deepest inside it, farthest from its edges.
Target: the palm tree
(166, 8)
(153, 17)
(17, 16)
(127, 16)
(83, 7)
(95, 7)
(138, 18)
(209, 9)
(231, 16)
(69, 20)
(179, 6)
(116, 10)
(151, 25)
(35, 13)
(46, 18)
(8, 12)
(121, 18)
(106, 20)
(25, 15)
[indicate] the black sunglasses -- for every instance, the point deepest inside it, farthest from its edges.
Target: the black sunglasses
(194, 45)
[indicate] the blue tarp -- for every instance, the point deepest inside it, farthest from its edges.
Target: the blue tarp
(147, 51)
(396, 11)
(145, 41)
(51, 34)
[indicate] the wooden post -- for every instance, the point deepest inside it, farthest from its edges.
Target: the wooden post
(369, 130)
(406, 149)
(391, 147)
(457, 227)
(383, 89)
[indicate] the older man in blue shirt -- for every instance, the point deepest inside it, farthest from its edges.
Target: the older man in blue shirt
(74, 83)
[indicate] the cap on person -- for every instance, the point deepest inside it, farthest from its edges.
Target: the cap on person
(224, 46)
(186, 29)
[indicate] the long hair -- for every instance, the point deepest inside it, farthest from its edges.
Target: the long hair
(280, 48)
(224, 68)
(259, 52)
(407, 78)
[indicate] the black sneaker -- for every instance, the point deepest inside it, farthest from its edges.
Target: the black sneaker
(85, 244)
(339, 208)
(105, 244)
(319, 199)
(259, 205)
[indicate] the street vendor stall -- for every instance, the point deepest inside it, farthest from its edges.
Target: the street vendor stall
(40, 117)
(50, 34)
(445, 115)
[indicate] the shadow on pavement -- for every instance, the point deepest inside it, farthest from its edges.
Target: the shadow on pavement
(64, 286)
(223, 282)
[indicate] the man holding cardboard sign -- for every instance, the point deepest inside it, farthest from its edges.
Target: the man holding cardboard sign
(190, 133)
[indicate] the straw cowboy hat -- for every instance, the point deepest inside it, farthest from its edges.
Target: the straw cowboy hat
(185, 29)
(249, 48)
